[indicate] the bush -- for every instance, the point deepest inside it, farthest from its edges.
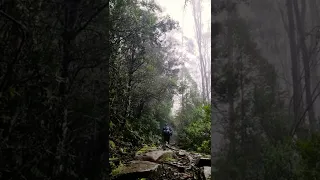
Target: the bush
(309, 151)
(197, 133)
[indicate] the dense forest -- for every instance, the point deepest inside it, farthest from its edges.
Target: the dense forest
(265, 110)
(84, 82)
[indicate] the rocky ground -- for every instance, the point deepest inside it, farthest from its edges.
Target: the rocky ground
(167, 163)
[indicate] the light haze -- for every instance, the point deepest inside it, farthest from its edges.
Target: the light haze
(177, 10)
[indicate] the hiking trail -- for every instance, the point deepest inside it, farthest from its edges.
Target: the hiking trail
(170, 163)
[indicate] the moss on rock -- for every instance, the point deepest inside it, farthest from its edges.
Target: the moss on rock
(146, 149)
(167, 157)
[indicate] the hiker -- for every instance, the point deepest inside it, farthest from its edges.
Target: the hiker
(166, 132)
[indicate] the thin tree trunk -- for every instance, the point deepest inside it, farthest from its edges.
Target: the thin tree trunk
(196, 7)
(129, 84)
(314, 16)
(295, 71)
(60, 129)
(306, 64)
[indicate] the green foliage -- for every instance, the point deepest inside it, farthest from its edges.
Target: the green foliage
(58, 62)
(143, 77)
(310, 153)
(197, 132)
(281, 161)
(167, 157)
(117, 170)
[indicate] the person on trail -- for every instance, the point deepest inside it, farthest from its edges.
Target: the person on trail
(166, 132)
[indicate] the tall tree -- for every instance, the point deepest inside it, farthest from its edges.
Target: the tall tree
(297, 92)
(203, 61)
(306, 62)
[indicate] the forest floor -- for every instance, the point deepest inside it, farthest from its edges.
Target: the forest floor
(165, 163)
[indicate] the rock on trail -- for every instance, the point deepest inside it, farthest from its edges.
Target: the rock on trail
(171, 164)
(153, 156)
(207, 172)
(136, 169)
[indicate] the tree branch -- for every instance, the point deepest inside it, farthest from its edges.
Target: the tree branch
(92, 17)
(306, 110)
(13, 20)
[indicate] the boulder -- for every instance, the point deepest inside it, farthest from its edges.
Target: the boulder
(146, 149)
(182, 153)
(153, 156)
(207, 172)
(135, 169)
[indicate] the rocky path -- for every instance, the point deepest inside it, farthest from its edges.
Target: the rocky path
(169, 163)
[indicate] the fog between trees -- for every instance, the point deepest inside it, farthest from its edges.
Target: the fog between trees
(265, 89)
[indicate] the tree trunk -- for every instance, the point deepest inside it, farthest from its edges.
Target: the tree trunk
(196, 9)
(295, 71)
(60, 129)
(306, 64)
(129, 84)
(314, 16)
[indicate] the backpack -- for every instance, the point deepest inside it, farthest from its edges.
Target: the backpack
(167, 130)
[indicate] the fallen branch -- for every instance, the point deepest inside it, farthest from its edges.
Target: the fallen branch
(13, 20)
